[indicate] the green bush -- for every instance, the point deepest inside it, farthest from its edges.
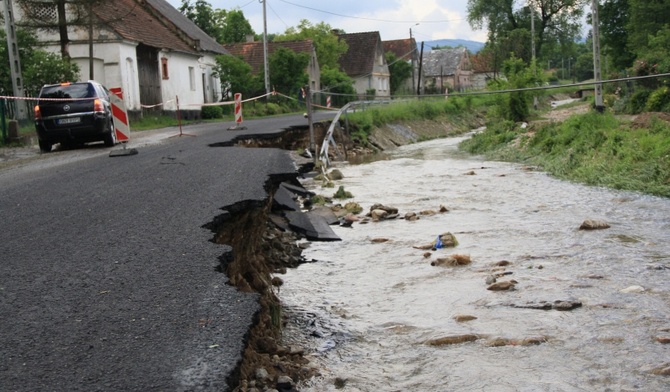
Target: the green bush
(637, 101)
(273, 108)
(658, 100)
(211, 112)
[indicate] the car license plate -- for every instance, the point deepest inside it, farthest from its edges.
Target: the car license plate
(69, 120)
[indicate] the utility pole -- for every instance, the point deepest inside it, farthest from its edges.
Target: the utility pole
(532, 44)
(418, 83)
(412, 44)
(14, 61)
(265, 48)
(596, 56)
(532, 31)
(310, 121)
(90, 40)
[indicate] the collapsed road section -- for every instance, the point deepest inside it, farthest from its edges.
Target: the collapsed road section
(264, 241)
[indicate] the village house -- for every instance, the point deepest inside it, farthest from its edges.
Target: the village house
(252, 53)
(365, 63)
(444, 69)
(406, 50)
(146, 47)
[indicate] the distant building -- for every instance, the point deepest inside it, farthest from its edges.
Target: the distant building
(365, 62)
(447, 68)
(252, 53)
(405, 49)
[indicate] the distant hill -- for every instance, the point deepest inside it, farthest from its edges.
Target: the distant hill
(472, 46)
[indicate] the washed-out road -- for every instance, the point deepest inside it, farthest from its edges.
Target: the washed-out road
(107, 276)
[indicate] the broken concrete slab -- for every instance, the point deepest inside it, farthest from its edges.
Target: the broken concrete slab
(326, 213)
(313, 227)
(285, 200)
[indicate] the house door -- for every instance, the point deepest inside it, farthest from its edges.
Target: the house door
(148, 75)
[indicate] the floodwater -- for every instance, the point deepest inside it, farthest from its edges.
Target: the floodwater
(366, 310)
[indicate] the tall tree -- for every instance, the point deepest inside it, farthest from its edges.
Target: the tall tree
(287, 70)
(235, 27)
(647, 17)
(503, 17)
(236, 77)
(328, 46)
(203, 15)
(614, 19)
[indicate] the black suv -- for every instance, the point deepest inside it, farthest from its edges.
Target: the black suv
(71, 113)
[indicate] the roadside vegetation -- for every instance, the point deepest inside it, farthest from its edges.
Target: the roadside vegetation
(599, 149)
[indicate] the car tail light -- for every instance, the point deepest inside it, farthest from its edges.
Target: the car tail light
(97, 106)
(38, 113)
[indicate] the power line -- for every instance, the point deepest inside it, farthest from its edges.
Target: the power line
(371, 19)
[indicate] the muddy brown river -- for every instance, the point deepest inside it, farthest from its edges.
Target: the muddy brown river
(589, 310)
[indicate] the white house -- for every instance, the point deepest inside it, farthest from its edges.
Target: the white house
(365, 62)
(146, 47)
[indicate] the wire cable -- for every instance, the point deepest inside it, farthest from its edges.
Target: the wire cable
(371, 19)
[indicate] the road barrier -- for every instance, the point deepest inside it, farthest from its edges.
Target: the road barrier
(121, 124)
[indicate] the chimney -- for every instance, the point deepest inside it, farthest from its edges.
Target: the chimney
(250, 38)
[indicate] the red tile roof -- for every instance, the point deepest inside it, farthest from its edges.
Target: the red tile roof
(130, 20)
(252, 52)
(401, 48)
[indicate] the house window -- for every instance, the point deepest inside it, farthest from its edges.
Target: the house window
(164, 68)
(45, 12)
(191, 77)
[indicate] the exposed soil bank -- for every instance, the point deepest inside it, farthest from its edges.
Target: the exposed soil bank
(260, 248)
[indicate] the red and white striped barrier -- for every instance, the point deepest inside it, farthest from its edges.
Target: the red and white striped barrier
(121, 125)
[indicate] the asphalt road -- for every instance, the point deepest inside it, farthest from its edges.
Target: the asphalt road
(107, 276)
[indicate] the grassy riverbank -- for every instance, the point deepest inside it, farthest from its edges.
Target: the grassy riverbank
(601, 149)
(631, 153)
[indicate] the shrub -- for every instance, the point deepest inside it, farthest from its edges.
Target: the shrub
(638, 101)
(211, 112)
(273, 108)
(658, 100)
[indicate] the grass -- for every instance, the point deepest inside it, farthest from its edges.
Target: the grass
(593, 148)
(457, 109)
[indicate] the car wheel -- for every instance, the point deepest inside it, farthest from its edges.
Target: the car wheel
(110, 136)
(44, 146)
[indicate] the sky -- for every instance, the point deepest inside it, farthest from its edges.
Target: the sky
(427, 19)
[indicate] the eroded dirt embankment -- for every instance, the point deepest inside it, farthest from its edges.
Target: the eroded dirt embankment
(260, 248)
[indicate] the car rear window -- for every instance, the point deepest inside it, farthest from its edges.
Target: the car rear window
(83, 90)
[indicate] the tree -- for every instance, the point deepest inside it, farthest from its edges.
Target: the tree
(328, 46)
(235, 27)
(287, 70)
(339, 84)
(645, 19)
(39, 67)
(400, 71)
(203, 15)
(614, 19)
(552, 18)
(236, 77)
(515, 106)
